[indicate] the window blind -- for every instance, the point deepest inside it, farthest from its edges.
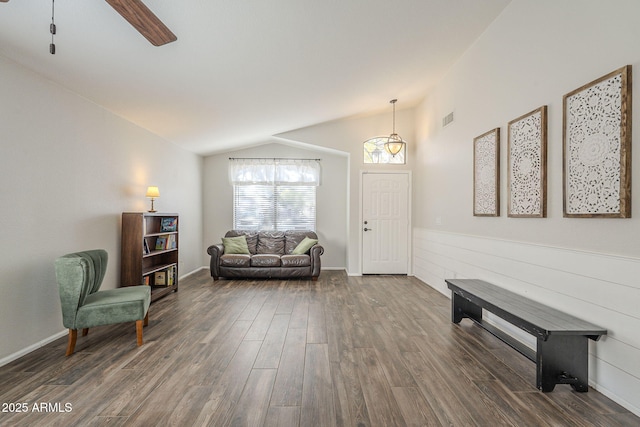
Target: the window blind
(274, 194)
(274, 207)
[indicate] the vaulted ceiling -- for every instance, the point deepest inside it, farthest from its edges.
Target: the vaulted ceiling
(244, 70)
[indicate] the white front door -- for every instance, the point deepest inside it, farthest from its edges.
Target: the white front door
(385, 223)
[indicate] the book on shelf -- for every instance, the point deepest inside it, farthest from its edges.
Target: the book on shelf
(169, 224)
(161, 243)
(147, 280)
(145, 247)
(171, 275)
(172, 243)
(166, 242)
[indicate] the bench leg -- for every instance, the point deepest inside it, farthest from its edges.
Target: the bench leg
(461, 308)
(563, 359)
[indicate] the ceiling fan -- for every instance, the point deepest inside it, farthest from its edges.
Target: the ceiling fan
(143, 20)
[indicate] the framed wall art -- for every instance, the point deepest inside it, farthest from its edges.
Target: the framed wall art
(527, 165)
(486, 174)
(597, 148)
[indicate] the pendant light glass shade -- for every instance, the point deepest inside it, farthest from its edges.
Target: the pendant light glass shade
(394, 143)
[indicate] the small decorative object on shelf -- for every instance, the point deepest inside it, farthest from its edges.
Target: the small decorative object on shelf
(150, 251)
(160, 278)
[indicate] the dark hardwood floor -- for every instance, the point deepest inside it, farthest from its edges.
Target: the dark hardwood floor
(344, 351)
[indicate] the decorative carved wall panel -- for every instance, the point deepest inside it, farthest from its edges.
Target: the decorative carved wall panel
(597, 147)
(486, 174)
(527, 161)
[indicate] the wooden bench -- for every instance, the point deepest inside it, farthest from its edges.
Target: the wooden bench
(562, 355)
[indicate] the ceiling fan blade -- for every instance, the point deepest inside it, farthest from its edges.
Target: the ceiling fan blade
(4, 1)
(143, 20)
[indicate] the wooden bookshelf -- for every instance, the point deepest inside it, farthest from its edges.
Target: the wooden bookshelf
(150, 251)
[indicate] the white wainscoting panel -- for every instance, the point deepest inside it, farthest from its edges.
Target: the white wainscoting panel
(600, 288)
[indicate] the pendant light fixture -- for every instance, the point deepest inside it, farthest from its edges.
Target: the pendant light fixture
(394, 143)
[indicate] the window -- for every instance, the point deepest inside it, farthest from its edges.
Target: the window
(274, 207)
(374, 152)
(274, 194)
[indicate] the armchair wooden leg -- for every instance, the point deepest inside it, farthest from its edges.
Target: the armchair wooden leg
(139, 326)
(73, 336)
(146, 319)
(85, 332)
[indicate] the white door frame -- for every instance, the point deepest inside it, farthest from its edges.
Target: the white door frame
(409, 214)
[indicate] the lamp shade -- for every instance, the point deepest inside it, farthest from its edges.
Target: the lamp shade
(394, 144)
(153, 192)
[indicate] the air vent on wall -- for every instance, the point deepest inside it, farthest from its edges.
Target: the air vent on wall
(447, 119)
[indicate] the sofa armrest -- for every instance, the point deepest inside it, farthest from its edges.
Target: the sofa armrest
(216, 252)
(315, 252)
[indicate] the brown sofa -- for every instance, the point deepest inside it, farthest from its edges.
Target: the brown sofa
(270, 256)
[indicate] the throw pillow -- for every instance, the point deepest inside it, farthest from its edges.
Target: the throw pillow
(304, 246)
(235, 245)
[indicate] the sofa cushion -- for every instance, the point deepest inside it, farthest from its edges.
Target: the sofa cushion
(271, 242)
(235, 260)
(235, 245)
(294, 237)
(295, 260)
(265, 260)
(304, 246)
(126, 304)
(250, 235)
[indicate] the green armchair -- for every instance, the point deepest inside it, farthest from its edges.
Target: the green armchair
(79, 277)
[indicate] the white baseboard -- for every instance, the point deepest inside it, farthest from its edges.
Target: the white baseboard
(10, 358)
(191, 273)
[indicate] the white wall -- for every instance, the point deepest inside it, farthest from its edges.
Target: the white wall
(331, 198)
(533, 54)
(68, 168)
